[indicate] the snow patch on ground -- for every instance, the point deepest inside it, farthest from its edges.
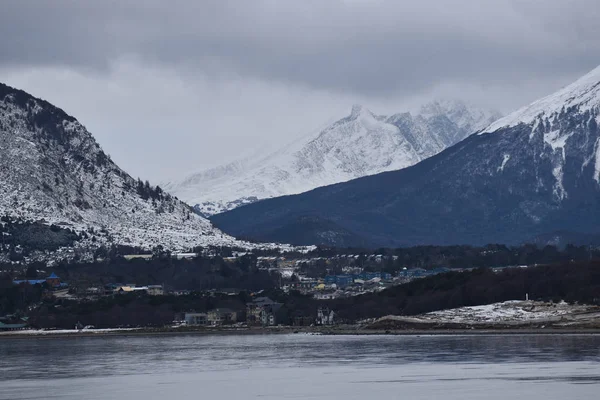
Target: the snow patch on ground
(597, 162)
(42, 332)
(508, 312)
(504, 161)
(555, 140)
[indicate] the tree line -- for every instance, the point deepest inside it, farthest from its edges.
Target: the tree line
(573, 282)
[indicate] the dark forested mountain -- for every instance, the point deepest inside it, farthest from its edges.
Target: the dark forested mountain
(531, 173)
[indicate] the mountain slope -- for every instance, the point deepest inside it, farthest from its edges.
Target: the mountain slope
(533, 172)
(52, 170)
(361, 144)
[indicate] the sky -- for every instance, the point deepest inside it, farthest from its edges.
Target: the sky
(171, 88)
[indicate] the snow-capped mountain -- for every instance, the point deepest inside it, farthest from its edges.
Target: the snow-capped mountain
(52, 170)
(358, 145)
(565, 125)
(532, 173)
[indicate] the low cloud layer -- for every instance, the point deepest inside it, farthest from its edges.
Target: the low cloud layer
(197, 83)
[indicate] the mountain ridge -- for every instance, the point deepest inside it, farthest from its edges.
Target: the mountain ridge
(523, 179)
(359, 144)
(53, 171)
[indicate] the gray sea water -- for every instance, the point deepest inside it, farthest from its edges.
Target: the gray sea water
(302, 367)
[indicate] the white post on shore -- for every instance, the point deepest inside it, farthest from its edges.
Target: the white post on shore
(526, 296)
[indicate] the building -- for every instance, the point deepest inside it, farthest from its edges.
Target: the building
(439, 270)
(124, 289)
(327, 295)
(156, 290)
(13, 323)
(187, 256)
(11, 327)
(196, 319)
(139, 256)
(415, 272)
(220, 316)
(152, 290)
(304, 284)
(324, 316)
(52, 281)
(262, 311)
(339, 280)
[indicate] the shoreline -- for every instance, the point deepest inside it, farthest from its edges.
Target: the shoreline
(317, 331)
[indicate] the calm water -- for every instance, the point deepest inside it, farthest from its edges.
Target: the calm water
(302, 367)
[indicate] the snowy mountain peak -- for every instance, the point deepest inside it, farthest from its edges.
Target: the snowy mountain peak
(563, 128)
(358, 145)
(465, 115)
(441, 106)
(583, 94)
(395, 119)
(360, 111)
(538, 173)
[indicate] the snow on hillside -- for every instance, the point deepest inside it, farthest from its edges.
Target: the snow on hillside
(562, 137)
(55, 332)
(531, 177)
(514, 312)
(508, 311)
(358, 145)
(52, 170)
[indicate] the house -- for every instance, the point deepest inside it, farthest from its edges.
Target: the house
(29, 282)
(155, 290)
(324, 316)
(52, 281)
(415, 272)
(13, 323)
(439, 270)
(187, 256)
(367, 276)
(124, 289)
(220, 316)
(11, 327)
(94, 291)
(138, 256)
(262, 311)
(267, 318)
(339, 280)
(305, 284)
(196, 319)
(326, 295)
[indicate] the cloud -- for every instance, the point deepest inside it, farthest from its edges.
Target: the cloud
(202, 82)
(157, 123)
(386, 47)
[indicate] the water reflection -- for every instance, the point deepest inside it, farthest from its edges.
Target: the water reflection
(301, 367)
(104, 356)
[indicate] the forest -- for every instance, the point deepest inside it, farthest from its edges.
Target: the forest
(572, 282)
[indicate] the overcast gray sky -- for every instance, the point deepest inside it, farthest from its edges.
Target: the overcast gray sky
(171, 87)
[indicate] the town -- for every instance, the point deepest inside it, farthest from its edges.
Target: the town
(312, 279)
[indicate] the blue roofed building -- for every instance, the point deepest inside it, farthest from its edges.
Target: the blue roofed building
(52, 281)
(339, 280)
